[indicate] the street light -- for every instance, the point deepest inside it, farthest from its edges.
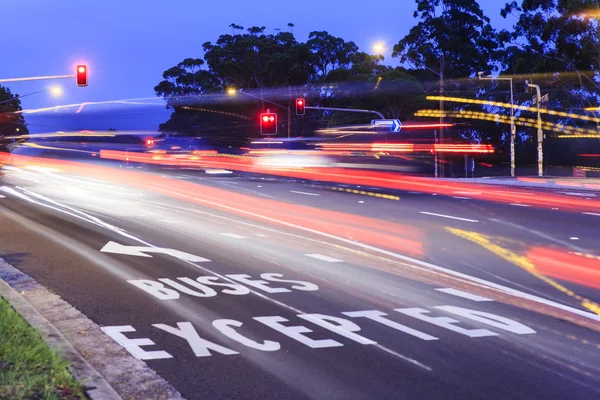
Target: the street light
(56, 91)
(231, 91)
(540, 135)
(513, 129)
(378, 48)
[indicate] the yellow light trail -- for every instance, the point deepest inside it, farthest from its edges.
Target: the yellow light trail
(573, 131)
(516, 107)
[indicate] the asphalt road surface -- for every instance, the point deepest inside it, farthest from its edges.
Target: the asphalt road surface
(257, 288)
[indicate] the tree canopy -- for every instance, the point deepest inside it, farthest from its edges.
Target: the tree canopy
(11, 123)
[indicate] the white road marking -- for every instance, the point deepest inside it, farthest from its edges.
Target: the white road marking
(594, 214)
(415, 192)
(520, 205)
(261, 235)
(259, 186)
(462, 198)
(449, 216)
(169, 221)
(2, 197)
(574, 238)
(323, 258)
(140, 251)
(464, 295)
(233, 235)
(361, 202)
(580, 194)
(305, 193)
(468, 193)
(434, 194)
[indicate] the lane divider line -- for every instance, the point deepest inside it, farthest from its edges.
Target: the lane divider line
(464, 295)
(324, 258)
(449, 216)
(233, 235)
(304, 193)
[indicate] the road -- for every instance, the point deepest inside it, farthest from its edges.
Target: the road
(256, 287)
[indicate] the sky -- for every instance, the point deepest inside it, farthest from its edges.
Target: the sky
(127, 44)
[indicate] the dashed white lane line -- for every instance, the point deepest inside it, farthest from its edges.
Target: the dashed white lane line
(580, 194)
(233, 235)
(468, 193)
(261, 235)
(449, 216)
(462, 198)
(573, 238)
(304, 193)
(464, 295)
(520, 205)
(324, 258)
(594, 214)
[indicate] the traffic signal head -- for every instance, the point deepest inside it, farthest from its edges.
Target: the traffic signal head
(300, 104)
(268, 124)
(81, 75)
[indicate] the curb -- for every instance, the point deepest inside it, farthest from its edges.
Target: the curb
(96, 387)
(74, 337)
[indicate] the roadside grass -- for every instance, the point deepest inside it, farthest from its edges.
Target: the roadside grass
(29, 368)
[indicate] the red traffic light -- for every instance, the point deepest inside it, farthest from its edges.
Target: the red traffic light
(300, 104)
(149, 142)
(81, 74)
(268, 124)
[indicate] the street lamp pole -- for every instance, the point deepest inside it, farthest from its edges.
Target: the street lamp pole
(540, 132)
(513, 129)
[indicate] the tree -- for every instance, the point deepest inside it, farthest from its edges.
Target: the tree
(330, 52)
(454, 32)
(556, 43)
(11, 123)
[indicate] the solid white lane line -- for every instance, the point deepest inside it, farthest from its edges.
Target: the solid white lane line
(449, 216)
(462, 198)
(594, 214)
(520, 205)
(464, 295)
(233, 235)
(324, 258)
(305, 193)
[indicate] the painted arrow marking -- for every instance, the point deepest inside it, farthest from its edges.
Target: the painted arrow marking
(140, 251)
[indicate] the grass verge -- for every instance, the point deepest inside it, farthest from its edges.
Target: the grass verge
(29, 368)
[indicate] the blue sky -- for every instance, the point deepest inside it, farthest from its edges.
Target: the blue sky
(129, 43)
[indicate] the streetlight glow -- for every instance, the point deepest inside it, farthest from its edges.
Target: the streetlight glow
(231, 91)
(56, 91)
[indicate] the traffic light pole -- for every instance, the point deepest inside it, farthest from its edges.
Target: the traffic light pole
(38, 78)
(380, 115)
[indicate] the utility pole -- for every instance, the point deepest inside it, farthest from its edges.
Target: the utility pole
(289, 127)
(513, 128)
(540, 132)
(442, 110)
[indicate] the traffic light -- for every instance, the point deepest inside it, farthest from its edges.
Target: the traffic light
(300, 104)
(149, 142)
(268, 123)
(82, 75)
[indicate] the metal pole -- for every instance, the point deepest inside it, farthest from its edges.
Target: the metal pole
(289, 111)
(540, 132)
(37, 78)
(442, 110)
(435, 140)
(513, 129)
